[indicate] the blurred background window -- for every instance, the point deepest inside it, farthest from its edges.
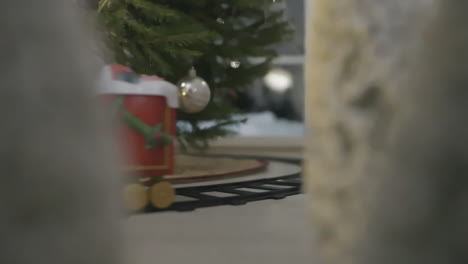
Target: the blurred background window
(275, 103)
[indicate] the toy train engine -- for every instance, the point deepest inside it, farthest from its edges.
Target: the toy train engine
(146, 108)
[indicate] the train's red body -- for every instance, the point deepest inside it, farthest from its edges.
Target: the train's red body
(152, 108)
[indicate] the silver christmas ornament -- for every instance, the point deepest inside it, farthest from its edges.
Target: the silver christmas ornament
(194, 93)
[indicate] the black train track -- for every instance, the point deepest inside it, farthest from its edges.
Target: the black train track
(237, 193)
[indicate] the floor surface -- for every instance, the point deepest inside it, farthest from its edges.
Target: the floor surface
(270, 231)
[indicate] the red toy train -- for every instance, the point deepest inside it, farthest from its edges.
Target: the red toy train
(146, 108)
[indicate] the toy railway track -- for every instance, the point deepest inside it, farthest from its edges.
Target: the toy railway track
(237, 193)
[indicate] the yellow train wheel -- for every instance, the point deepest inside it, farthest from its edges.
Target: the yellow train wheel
(162, 195)
(135, 197)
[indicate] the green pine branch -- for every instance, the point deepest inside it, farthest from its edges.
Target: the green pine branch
(167, 37)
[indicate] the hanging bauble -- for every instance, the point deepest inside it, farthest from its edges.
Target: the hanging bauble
(194, 93)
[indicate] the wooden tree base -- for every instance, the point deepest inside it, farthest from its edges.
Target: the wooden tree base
(159, 192)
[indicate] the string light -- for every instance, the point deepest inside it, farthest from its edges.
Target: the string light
(235, 64)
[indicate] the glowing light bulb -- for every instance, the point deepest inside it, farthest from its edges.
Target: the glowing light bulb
(278, 80)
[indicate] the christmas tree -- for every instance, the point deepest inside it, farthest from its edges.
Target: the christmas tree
(229, 42)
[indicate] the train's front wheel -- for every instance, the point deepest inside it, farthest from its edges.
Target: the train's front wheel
(162, 195)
